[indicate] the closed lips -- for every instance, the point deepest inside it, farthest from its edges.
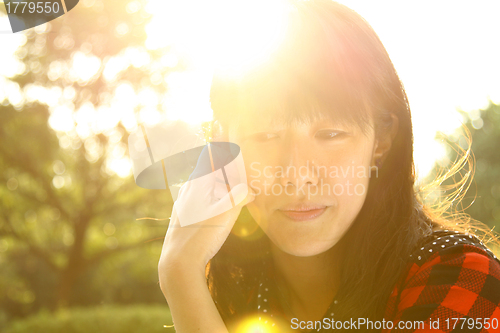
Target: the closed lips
(303, 212)
(302, 208)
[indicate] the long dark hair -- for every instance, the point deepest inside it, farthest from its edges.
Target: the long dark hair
(332, 62)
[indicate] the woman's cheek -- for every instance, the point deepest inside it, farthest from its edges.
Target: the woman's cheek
(351, 189)
(260, 176)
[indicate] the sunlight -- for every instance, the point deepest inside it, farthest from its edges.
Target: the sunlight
(84, 67)
(11, 65)
(149, 116)
(61, 118)
(447, 59)
(233, 36)
(84, 117)
(247, 33)
(187, 98)
(106, 118)
(114, 66)
(121, 166)
(224, 33)
(11, 92)
(256, 325)
(435, 54)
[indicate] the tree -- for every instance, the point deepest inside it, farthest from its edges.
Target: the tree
(477, 175)
(484, 126)
(61, 204)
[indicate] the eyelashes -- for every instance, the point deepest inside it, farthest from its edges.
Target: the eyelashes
(330, 134)
(265, 136)
(326, 135)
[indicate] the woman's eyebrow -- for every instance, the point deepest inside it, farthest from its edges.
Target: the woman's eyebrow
(328, 122)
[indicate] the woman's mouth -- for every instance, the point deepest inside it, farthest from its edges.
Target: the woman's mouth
(303, 212)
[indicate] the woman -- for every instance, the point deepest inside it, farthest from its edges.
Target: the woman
(348, 237)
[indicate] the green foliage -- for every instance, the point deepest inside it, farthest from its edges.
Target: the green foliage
(482, 199)
(484, 192)
(106, 319)
(69, 233)
(56, 243)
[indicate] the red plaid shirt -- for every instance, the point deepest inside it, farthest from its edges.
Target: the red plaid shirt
(452, 285)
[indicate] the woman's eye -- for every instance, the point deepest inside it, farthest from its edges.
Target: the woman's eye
(264, 137)
(329, 134)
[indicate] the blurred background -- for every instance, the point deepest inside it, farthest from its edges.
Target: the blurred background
(71, 235)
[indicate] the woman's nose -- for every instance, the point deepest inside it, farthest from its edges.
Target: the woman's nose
(298, 168)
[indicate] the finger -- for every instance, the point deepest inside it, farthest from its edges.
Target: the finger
(183, 189)
(200, 207)
(238, 194)
(220, 189)
(202, 186)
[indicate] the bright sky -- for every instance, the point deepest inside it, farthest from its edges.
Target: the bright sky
(446, 53)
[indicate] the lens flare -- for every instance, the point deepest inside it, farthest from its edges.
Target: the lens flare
(257, 324)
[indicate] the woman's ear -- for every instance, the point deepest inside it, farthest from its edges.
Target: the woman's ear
(383, 140)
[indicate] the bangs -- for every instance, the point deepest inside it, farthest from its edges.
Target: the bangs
(291, 98)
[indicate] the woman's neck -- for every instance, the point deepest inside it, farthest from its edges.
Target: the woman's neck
(310, 283)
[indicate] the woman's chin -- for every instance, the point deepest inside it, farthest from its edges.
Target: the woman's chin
(302, 247)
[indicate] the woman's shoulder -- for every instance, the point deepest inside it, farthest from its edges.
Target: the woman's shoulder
(444, 242)
(450, 274)
(448, 258)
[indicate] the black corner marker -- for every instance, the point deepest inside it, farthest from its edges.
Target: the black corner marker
(28, 14)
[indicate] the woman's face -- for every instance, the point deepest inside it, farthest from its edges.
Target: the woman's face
(310, 179)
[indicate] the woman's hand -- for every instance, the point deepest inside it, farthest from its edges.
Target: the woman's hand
(193, 245)
(187, 250)
(202, 218)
